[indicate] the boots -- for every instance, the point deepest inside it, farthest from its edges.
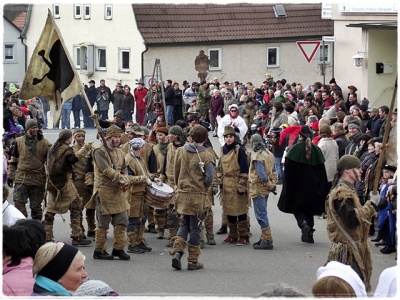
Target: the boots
(160, 235)
(243, 229)
(223, 230)
(103, 255)
(119, 242)
(177, 252)
(233, 234)
(80, 241)
(120, 254)
(142, 242)
(193, 263)
(265, 242)
(305, 232)
(100, 245)
(133, 241)
(378, 237)
(210, 239)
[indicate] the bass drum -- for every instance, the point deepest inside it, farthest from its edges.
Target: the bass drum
(158, 195)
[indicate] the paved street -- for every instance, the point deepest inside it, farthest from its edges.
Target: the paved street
(229, 270)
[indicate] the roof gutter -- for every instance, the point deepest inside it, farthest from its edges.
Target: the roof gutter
(23, 33)
(142, 57)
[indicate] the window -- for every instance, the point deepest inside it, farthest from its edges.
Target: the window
(108, 12)
(124, 60)
(56, 11)
(272, 57)
(101, 59)
(86, 58)
(324, 54)
(77, 11)
(279, 11)
(77, 56)
(9, 53)
(214, 55)
(86, 11)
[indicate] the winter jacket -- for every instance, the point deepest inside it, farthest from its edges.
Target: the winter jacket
(18, 280)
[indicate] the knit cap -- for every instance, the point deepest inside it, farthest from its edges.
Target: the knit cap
(30, 123)
(65, 134)
(177, 130)
(347, 162)
(94, 288)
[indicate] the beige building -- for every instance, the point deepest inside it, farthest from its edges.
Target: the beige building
(368, 30)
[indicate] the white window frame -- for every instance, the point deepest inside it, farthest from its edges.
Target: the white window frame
(219, 67)
(98, 67)
(328, 56)
(120, 59)
(14, 53)
(86, 16)
(271, 64)
(55, 14)
(77, 56)
(76, 14)
(108, 7)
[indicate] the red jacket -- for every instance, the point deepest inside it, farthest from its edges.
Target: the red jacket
(139, 96)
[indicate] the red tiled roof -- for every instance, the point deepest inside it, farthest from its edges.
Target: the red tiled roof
(191, 23)
(19, 21)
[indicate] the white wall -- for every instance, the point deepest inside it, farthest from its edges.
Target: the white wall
(13, 71)
(242, 62)
(119, 32)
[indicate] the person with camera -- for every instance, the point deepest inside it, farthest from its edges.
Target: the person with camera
(103, 99)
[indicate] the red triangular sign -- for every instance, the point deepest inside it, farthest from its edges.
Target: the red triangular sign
(308, 48)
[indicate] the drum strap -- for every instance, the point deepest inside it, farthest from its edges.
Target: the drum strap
(140, 165)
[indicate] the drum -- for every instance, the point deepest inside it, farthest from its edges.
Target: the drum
(158, 196)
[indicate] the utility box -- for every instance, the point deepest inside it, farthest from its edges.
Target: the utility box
(384, 68)
(379, 68)
(387, 68)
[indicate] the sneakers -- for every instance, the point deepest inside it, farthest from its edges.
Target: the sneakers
(229, 240)
(195, 266)
(242, 241)
(144, 247)
(120, 254)
(102, 255)
(135, 249)
(176, 261)
(223, 230)
(80, 241)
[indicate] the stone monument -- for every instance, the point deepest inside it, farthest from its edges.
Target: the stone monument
(201, 64)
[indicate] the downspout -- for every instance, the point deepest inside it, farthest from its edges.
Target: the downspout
(23, 33)
(145, 50)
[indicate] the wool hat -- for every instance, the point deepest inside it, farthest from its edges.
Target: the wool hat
(306, 132)
(347, 162)
(177, 130)
(65, 134)
(354, 125)
(162, 130)
(373, 109)
(113, 130)
(30, 123)
(346, 273)
(249, 99)
(229, 130)
(119, 113)
(365, 137)
(136, 143)
(233, 106)
(79, 131)
(94, 288)
(363, 107)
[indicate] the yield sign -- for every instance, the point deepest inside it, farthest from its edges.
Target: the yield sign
(308, 48)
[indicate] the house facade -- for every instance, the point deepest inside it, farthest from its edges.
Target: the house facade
(368, 30)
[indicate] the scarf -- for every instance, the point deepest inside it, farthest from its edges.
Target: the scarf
(234, 117)
(51, 286)
(163, 148)
(30, 143)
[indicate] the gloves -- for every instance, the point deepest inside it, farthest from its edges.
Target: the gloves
(158, 181)
(374, 198)
(84, 150)
(89, 189)
(10, 182)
